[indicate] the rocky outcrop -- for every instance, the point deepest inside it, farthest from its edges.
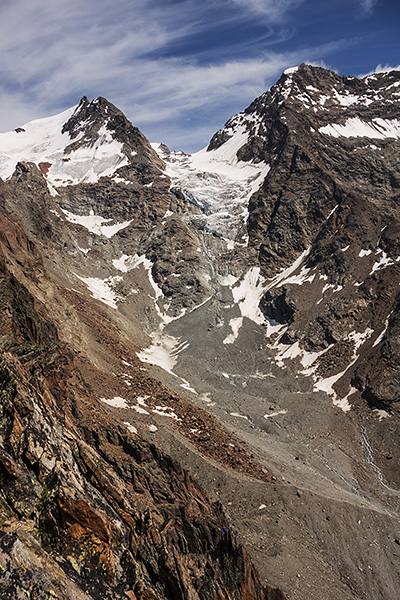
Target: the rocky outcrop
(379, 371)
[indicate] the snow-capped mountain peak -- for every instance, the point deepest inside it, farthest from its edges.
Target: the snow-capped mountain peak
(78, 145)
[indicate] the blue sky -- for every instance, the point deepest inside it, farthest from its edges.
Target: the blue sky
(179, 68)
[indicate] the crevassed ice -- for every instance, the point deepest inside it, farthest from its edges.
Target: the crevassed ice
(218, 181)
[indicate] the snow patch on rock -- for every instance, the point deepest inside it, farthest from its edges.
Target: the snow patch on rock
(356, 127)
(95, 223)
(102, 289)
(116, 402)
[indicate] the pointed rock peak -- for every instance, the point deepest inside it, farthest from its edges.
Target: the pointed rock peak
(305, 99)
(306, 79)
(101, 119)
(83, 102)
(308, 75)
(293, 81)
(81, 144)
(89, 117)
(304, 68)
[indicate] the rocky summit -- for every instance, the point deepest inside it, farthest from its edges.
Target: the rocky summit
(200, 354)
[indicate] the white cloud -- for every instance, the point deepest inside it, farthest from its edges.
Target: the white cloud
(138, 55)
(368, 6)
(380, 69)
(386, 68)
(274, 10)
(170, 96)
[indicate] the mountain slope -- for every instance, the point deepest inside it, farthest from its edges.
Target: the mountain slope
(334, 193)
(87, 509)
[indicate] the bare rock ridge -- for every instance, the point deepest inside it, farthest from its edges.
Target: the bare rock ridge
(229, 317)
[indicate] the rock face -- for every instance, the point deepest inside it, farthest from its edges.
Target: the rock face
(215, 312)
(331, 196)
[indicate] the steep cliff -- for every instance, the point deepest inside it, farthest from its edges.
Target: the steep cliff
(328, 211)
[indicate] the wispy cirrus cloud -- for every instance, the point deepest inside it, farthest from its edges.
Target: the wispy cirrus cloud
(381, 69)
(368, 6)
(51, 53)
(273, 10)
(173, 66)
